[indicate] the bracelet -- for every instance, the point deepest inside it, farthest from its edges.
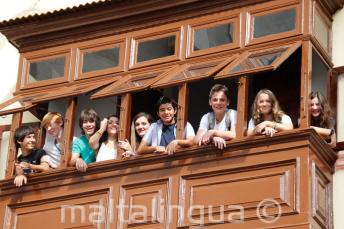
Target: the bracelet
(99, 132)
(274, 127)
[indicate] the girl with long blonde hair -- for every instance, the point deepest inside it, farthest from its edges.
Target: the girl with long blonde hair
(267, 116)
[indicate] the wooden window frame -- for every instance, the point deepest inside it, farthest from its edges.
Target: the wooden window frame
(112, 90)
(268, 8)
(72, 90)
(318, 11)
(141, 37)
(291, 48)
(27, 105)
(42, 56)
(96, 46)
(168, 81)
(209, 22)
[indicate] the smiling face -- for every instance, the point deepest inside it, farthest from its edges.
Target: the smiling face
(166, 113)
(141, 125)
(88, 126)
(112, 126)
(264, 104)
(315, 107)
(219, 102)
(53, 128)
(28, 143)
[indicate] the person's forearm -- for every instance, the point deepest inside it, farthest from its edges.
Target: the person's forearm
(145, 149)
(94, 139)
(227, 135)
(40, 168)
(186, 142)
(324, 132)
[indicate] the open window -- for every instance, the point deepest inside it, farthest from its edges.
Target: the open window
(15, 104)
(131, 82)
(252, 62)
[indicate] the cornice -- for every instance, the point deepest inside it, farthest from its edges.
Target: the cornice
(84, 23)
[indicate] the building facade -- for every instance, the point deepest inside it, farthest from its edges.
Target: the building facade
(73, 58)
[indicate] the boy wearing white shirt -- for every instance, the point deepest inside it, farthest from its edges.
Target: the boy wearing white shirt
(219, 125)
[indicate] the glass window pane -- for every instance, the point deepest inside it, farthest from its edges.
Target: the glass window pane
(277, 22)
(258, 60)
(321, 30)
(153, 49)
(100, 59)
(214, 36)
(47, 69)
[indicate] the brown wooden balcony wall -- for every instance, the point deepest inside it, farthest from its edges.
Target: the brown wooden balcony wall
(293, 168)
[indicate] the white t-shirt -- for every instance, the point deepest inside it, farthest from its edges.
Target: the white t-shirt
(106, 153)
(53, 150)
(153, 135)
(204, 124)
(285, 120)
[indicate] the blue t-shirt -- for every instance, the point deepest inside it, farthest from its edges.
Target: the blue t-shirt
(82, 146)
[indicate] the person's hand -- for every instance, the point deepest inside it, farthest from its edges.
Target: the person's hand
(125, 145)
(19, 180)
(219, 142)
(103, 125)
(128, 154)
(160, 149)
(80, 165)
(171, 148)
(206, 138)
(260, 128)
(269, 131)
(25, 165)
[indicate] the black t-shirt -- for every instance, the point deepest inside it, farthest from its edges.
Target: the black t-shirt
(33, 158)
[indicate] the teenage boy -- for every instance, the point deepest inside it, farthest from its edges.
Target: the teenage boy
(31, 159)
(219, 125)
(161, 135)
(52, 122)
(82, 152)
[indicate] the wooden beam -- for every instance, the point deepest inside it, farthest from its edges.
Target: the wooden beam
(306, 83)
(12, 151)
(182, 110)
(68, 132)
(124, 119)
(242, 115)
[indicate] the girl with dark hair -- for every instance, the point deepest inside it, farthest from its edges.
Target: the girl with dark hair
(140, 125)
(106, 139)
(267, 116)
(322, 118)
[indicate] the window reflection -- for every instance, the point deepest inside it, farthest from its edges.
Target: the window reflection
(101, 59)
(47, 69)
(153, 49)
(273, 23)
(214, 36)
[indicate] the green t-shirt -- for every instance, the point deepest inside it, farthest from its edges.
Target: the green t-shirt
(81, 146)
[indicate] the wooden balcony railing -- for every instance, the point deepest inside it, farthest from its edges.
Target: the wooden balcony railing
(279, 182)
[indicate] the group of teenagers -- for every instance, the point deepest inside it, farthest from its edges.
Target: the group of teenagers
(99, 139)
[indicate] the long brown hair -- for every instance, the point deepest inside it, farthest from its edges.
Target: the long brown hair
(326, 117)
(135, 139)
(275, 108)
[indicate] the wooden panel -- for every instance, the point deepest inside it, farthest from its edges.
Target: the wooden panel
(321, 203)
(258, 185)
(86, 210)
(144, 204)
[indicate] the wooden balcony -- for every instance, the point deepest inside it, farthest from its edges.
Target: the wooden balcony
(216, 188)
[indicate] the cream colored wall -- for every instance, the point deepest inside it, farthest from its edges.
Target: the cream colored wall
(9, 56)
(338, 60)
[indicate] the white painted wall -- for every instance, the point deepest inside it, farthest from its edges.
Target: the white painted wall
(9, 56)
(338, 60)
